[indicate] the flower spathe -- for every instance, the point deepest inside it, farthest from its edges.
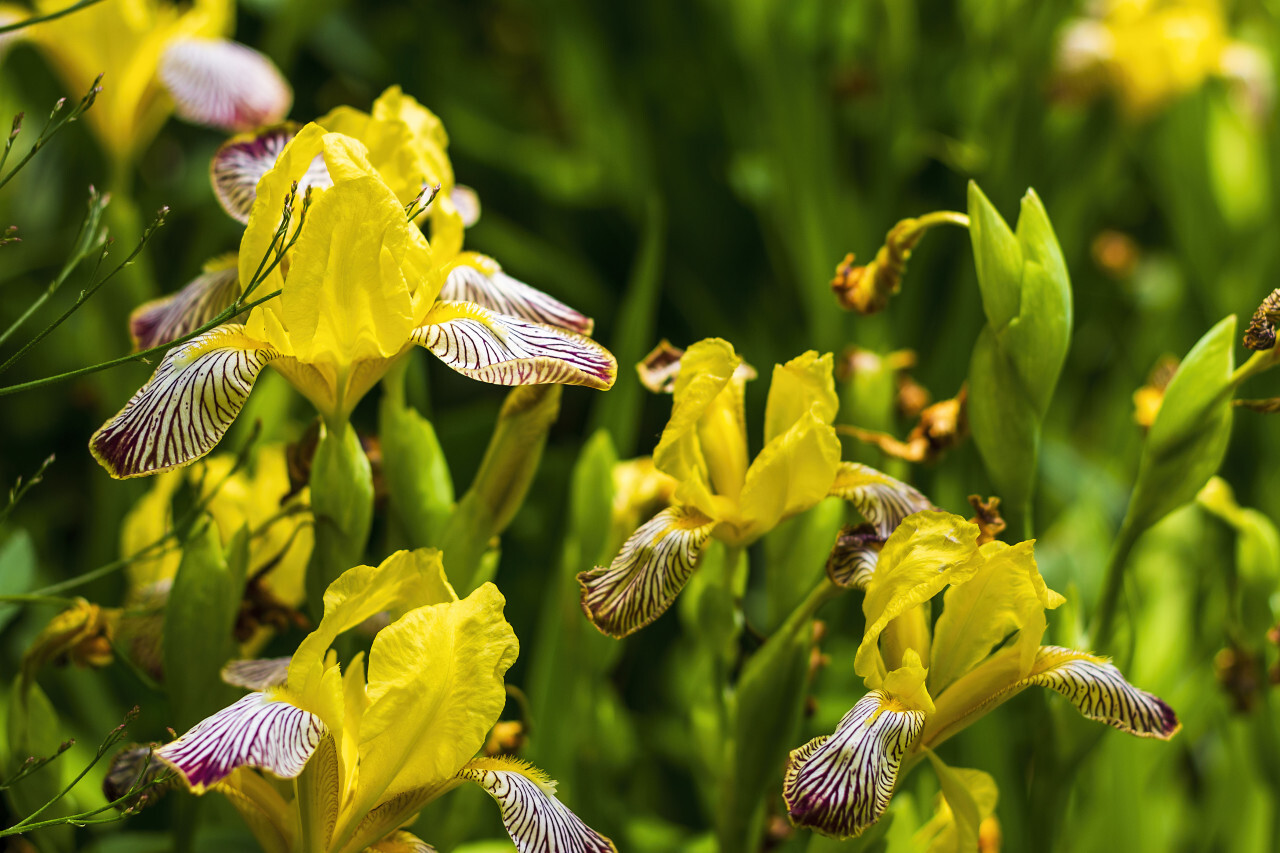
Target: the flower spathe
(157, 57)
(927, 684)
(723, 493)
(368, 752)
(358, 288)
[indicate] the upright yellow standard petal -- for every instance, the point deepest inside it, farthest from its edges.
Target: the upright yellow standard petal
(797, 387)
(792, 473)
(435, 689)
(1005, 595)
(353, 289)
(928, 551)
(291, 166)
(704, 445)
(405, 580)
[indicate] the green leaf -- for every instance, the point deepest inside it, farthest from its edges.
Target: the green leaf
(765, 711)
(1189, 437)
(342, 502)
(795, 557)
(34, 729)
(416, 471)
(972, 795)
(199, 622)
(17, 569)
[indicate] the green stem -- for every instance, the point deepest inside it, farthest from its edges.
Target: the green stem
(342, 504)
(52, 16)
(226, 315)
(1257, 363)
(1113, 586)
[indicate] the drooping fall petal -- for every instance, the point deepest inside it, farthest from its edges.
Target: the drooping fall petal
(478, 279)
(536, 821)
(467, 204)
(841, 784)
(1100, 692)
(256, 731)
(881, 499)
(853, 560)
(203, 298)
(241, 162)
(186, 407)
(1093, 684)
(492, 347)
(224, 84)
(257, 674)
(650, 570)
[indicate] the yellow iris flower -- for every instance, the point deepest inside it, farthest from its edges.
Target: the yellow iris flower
(1151, 52)
(927, 683)
(367, 747)
(721, 491)
(358, 289)
(155, 56)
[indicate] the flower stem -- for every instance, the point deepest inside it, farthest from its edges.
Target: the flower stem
(1113, 586)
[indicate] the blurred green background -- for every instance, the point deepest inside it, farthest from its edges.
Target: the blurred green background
(696, 169)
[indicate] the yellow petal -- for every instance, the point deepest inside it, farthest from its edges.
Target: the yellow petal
(792, 473)
(1005, 595)
(968, 798)
(361, 274)
(704, 445)
(435, 689)
(907, 683)
(798, 386)
(928, 551)
(269, 817)
(292, 165)
(402, 842)
(148, 520)
(405, 580)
